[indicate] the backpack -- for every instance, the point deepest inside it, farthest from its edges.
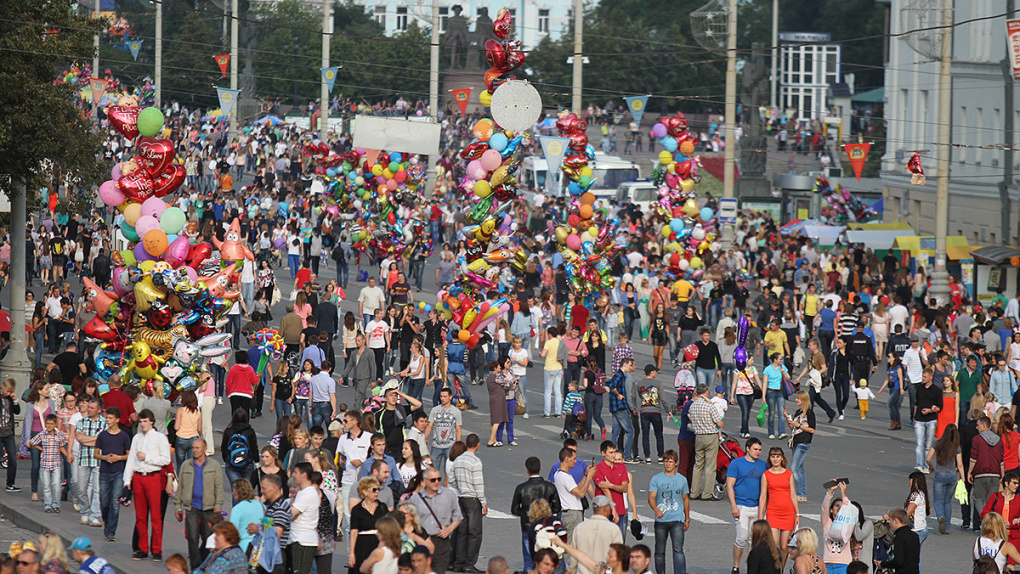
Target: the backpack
(986, 564)
(578, 411)
(561, 353)
(599, 387)
(362, 276)
(338, 254)
(237, 451)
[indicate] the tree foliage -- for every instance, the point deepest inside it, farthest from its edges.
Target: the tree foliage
(42, 133)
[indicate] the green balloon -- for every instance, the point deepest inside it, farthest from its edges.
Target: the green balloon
(150, 121)
(584, 181)
(172, 220)
(129, 232)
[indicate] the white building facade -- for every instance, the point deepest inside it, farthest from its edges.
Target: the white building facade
(533, 19)
(977, 162)
(808, 64)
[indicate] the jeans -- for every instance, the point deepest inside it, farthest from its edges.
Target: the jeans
(912, 398)
(440, 456)
(924, 437)
(416, 270)
(416, 387)
(653, 420)
(622, 422)
(294, 261)
(773, 399)
(922, 535)
(301, 409)
(342, 274)
(816, 399)
(746, 403)
(706, 376)
(248, 293)
(943, 488)
(182, 450)
(799, 476)
(51, 487)
(88, 493)
(322, 412)
(234, 473)
(197, 530)
(825, 337)
(40, 340)
(553, 387)
(727, 370)
(467, 539)
(841, 384)
(282, 408)
(110, 485)
(714, 312)
(894, 402)
(529, 563)
(675, 531)
(593, 408)
(511, 406)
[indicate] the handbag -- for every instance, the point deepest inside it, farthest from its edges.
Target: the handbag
(756, 391)
(521, 407)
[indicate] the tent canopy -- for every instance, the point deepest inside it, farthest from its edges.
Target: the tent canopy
(957, 247)
(876, 238)
(880, 226)
(995, 255)
(823, 234)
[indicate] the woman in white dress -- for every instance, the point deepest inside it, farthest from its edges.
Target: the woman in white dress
(383, 560)
(880, 327)
(1013, 353)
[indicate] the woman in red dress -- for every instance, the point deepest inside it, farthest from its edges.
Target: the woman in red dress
(778, 501)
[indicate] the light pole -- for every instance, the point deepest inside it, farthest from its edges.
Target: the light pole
(433, 87)
(233, 67)
(17, 365)
(575, 96)
(159, 53)
(324, 89)
(95, 70)
(775, 53)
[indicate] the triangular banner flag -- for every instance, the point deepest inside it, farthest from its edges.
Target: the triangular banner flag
(461, 96)
(329, 74)
(226, 97)
(371, 155)
(223, 60)
(98, 86)
(858, 154)
(553, 148)
(636, 105)
(134, 46)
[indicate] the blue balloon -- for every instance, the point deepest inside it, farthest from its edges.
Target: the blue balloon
(676, 225)
(331, 171)
(706, 213)
(498, 141)
(574, 189)
(396, 157)
(669, 144)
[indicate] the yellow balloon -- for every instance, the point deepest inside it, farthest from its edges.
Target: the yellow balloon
(498, 176)
(593, 232)
(686, 185)
(665, 157)
(132, 213)
(690, 206)
(482, 188)
(485, 98)
(477, 265)
(672, 246)
(145, 294)
(569, 255)
(666, 231)
(561, 234)
(671, 167)
(585, 171)
(696, 263)
(146, 266)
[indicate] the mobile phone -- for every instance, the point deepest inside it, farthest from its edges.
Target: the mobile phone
(592, 461)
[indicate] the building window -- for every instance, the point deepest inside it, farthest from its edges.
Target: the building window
(444, 15)
(401, 18)
(380, 16)
(543, 21)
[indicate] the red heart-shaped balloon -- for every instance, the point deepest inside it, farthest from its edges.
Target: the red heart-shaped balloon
(154, 155)
(578, 142)
(514, 60)
(502, 25)
(323, 149)
(169, 179)
(99, 329)
(495, 54)
(309, 150)
(124, 120)
(138, 186)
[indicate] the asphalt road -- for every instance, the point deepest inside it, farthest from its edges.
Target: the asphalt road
(876, 460)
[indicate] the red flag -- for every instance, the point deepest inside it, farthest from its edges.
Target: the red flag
(461, 96)
(223, 60)
(98, 87)
(371, 155)
(858, 154)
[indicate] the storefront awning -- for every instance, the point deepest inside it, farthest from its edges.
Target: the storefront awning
(995, 255)
(902, 225)
(876, 238)
(957, 247)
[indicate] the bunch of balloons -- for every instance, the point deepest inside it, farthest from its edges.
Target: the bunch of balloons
(578, 160)
(588, 250)
(272, 345)
(503, 55)
(740, 353)
(840, 205)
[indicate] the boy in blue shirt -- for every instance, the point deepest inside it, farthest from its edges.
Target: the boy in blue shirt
(669, 498)
(743, 487)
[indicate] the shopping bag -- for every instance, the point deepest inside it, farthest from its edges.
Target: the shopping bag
(761, 414)
(843, 525)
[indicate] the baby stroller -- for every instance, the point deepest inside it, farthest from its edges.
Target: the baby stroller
(729, 450)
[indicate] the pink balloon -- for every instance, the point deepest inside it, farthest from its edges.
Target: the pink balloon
(177, 252)
(110, 195)
(192, 274)
(475, 170)
(154, 206)
(573, 242)
(333, 210)
(391, 184)
(145, 224)
(115, 172)
(360, 150)
(490, 160)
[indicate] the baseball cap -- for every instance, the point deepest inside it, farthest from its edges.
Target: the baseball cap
(649, 369)
(914, 337)
(720, 389)
(82, 543)
(600, 501)
(335, 426)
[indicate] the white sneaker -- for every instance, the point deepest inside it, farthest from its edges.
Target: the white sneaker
(840, 417)
(219, 401)
(772, 437)
(525, 415)
(84, 520)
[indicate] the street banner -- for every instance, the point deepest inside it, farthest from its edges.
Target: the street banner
(226, 97)
(858, 154)
(1013, 38)
(329, 74)
(134, 46)
(371, 155)
(223, 60)
(461, 96)
(98, 87)
(553, 148)
(636, 105)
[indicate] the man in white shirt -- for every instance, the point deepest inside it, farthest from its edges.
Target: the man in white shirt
(150, 452)
(1013, 310)
(353, 448)
(914, 360)
(596, 533)
(370, 299)
(569, 491)
(898, 315)
(378, 332)
(304, 511)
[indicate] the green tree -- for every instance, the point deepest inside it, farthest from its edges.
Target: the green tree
(43, 135)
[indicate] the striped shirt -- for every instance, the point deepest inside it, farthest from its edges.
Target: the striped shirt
(89, 427)
(279, 511)
(51, 443)
(466, 477)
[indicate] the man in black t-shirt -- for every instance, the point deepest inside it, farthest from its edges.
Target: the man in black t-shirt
(70, 365)
(112, 447)
(400, 292)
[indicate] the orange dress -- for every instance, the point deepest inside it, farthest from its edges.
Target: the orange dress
(947, 415)
(779, 507)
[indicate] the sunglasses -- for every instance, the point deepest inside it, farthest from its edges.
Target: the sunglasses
(436, 479)
(24, 563)
(374, 489)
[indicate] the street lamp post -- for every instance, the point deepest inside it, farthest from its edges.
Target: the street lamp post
(575, 97)
(324, 89)
(16, 365)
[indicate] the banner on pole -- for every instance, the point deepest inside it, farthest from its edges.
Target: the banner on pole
(858, 154)
(227, 97)
(636, 105)
(98, 87)
(134, 46)
(329, 74)
(461, 96)
(223, 60)
(553, 148)
(1013, 38)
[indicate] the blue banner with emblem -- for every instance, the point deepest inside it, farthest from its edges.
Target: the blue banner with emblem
(636, 105)
(227, 97)
(134, 46)
(329, 74)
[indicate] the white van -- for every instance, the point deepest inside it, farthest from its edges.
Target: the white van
(642, 193)
(609, 172)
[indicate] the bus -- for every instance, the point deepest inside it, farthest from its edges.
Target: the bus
(608, 171)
